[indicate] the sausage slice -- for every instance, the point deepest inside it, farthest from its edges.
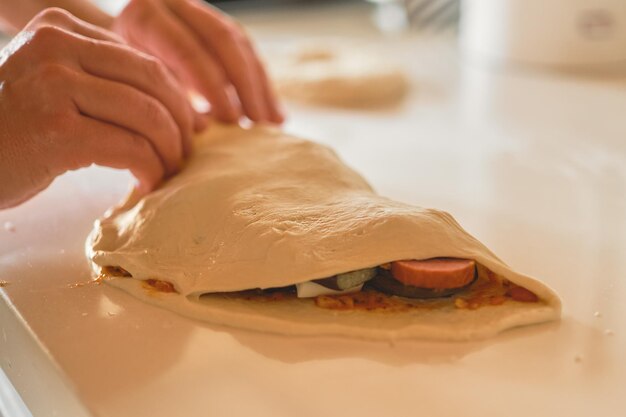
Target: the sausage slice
(435, 273)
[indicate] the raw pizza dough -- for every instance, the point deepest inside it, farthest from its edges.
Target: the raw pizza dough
(338, 77)
(259, 208)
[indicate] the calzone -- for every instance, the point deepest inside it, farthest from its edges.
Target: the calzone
(266, 231)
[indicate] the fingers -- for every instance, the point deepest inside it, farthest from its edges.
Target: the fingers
(276, 114)
(201, 71)
(145, 73)
(239, 69)
(129, 108)
(112, 146)
(201, 111)
(165, 37)
(228, 42)
(200, 122)
(60, 18)
(65, 116)
(235, 58)
(138, 70)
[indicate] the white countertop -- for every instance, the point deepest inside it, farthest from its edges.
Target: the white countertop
(531, 163)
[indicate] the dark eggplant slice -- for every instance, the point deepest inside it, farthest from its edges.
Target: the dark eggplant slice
(386, 283)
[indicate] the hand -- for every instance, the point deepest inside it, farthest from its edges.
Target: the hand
(208, 52)
(71, 95)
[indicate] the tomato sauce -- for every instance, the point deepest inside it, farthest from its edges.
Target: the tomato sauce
(160, 286)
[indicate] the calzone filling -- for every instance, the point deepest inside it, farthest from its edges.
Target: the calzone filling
(398, 285)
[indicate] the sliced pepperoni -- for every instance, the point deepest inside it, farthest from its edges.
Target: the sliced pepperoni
(436, 273)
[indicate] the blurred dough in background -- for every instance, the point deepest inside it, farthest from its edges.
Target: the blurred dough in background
(338, 77)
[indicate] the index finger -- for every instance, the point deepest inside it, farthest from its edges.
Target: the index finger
(145, 73)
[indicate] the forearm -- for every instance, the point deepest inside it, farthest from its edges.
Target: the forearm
(15, 14)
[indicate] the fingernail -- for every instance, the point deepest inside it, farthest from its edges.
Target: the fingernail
(142, 188)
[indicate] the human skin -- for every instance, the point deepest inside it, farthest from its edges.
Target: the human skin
(208, 51)
(74, 94)
(66, 103)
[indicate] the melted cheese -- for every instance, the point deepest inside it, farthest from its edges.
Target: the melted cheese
(311, 289)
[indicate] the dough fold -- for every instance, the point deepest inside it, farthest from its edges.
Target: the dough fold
(258, 208)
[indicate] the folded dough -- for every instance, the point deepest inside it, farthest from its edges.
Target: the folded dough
(259, 208)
